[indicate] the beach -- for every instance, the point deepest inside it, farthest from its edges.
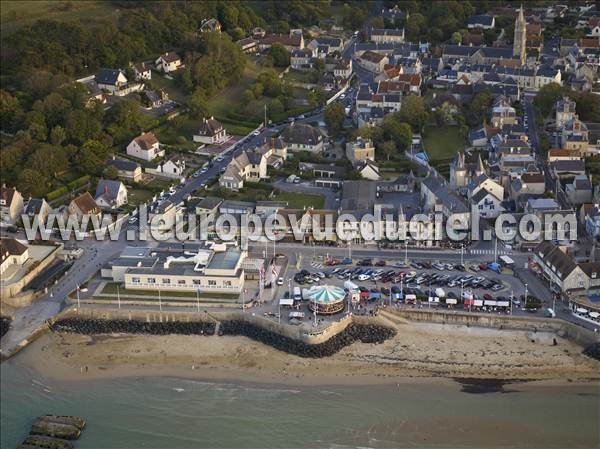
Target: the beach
(419, 351)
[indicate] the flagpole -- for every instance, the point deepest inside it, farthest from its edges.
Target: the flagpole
(78, 303)
(159, 300)
(118, 296)
(198, 299)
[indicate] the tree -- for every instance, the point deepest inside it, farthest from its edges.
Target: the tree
(544, 144)
(32, 182)
(546, 98)
(11, 112)
(279, 55)
(478, 108)
(413, 112)
(111, 172)
(48, 160)
(396, 130)
(334, 118)
(91, 156)
(198, 104)
(389, 148)
(456, 38)
(58, 135)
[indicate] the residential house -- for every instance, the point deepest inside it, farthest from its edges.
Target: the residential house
(343, 70)
(372, 61)
(84, 205)
(151, 98)
(403, 183)
(168, 62)
(386, 36)
(575, 136)
(248, 166)
(163, 216)
(207, 206)
(129, 170)
(325, 175)
(579, 191)
(13, 254)
(11, 205)
(142, 71)
(211, 25)
(237, 207)
(560, 154)
(145, 147)
(482, 21)
(292, 41)
(530, 183)
(360, 150)
(484, 182)
(567, 169)
(211, 132)
(565, 111)
(38, 207)
(249, 45)
(302, 137)
(302, 59)
(486, 203)
(111, 80)
(368, 169)
(173, 168)
(503, 113)
(592, 221)
(435, 191)
(111, 194)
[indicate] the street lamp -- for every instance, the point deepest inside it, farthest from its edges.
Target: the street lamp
(525, 302)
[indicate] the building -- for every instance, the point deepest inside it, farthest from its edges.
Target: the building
(360, 150)
(13, 254)
(199, 270)
(368, 169)
(528, 184)
(386, 36)
(503, 113)
(483, 21)
(302, 137)
(38, 207)
(372, 61)
(168, 62)
(343, 70)
(128, 170)
(435, 191)
(211, 132)
(142, 71)
(111, 80)
(84, 205)
(248, 166)
(487, 204)
(579, 191)
(520, 38)
(11, 205)
(292, 41)
(565, 111)
(210, 26)
(302, 59)
(560, 154)
(110, 194)
(173, 168)
(145, 147)
(592, 221)
(248, 45)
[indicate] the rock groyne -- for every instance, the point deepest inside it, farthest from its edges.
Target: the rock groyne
(4, 325)
(99, 326)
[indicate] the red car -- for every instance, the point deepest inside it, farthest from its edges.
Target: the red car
(380, 263)
(483, 266)
(488, 297)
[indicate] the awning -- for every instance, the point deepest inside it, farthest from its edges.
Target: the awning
(581, 310)
(487, 302)
(286, 302)
(432, 299)
(503, 304)
(296, 315)
(478, 303)
(451, 301)
(411, 297)
(594, 314)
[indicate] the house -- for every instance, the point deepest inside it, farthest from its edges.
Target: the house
(343, 70)
(566, 169)
(38, 207)
(530, 183)
(486, 203)
(560, 154)
(211, 132)
(151, 98)
(592, 221)
(83, 206)
(206, 206)
(210, 26)
(565, 111)
(435, 191)
(168, 62)
(484, 182)
(372, 61)
(11, 205)
(237, 207)
(482, 21)
(325, 175)
(163, 216)
(386, 36)
(126, 169)
(142, 71)
(111, 80)
(302, 137)
(403, 183)
(368, 169)
(579, 191)
(575, 136)
(110, 194)
(145, 147)
(503, 113)
(248, 45)
(541, 205)
(13, 254)
(248, 166)
(302, 59)
(173, 168)
(292, 41)
(360, 150)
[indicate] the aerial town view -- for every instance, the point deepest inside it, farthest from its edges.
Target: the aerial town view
(299, 224)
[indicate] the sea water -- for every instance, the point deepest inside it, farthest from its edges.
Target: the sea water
(177, 413)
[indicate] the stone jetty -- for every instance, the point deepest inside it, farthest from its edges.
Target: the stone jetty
(53, 432)
(100, 326)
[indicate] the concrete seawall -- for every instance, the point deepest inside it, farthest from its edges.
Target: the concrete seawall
(564, 329)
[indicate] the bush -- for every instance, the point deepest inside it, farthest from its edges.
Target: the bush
(78, 182)
(57, 193)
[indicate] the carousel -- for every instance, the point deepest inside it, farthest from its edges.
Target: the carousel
(326, 299)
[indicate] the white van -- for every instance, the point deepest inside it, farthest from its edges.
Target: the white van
(297, 294)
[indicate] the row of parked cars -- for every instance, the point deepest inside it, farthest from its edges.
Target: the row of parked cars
(464, 281)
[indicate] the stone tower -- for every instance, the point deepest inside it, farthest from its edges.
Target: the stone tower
(520, 41)
(458, 172)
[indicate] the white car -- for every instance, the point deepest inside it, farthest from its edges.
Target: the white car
(219, 159)
(195, 175)
(132, 220)
(204, 170)
(280, 281)
(256, 133)
(363, 277)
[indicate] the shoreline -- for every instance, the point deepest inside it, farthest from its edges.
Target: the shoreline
(486, 359)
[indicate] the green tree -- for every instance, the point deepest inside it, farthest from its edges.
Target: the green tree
(11, 112)
(413, 112)
(456, 38)
(546, 98)
(111, 172)
(479, 108)
(389, 148)
(32, 182)
(91, 156)
(334, 118)
(48, 160)
(58, 135)
(279, 55)
(198, 104)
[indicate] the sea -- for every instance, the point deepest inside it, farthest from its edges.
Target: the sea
(166, 413)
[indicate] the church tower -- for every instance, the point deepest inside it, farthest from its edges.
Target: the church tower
(520, 41)
(458, 171)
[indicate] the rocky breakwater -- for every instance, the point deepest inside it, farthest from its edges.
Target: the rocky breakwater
(366, 333)
(593, 351)
(98, 326)
(4, 325)
(53, 432)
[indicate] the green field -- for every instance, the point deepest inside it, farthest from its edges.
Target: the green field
(299, 200)
(442, 142)
(16, 14)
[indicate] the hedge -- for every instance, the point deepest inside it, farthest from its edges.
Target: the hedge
(57, 193)
(78, 182)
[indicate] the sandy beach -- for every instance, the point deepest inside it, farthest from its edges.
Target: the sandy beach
(420, 350)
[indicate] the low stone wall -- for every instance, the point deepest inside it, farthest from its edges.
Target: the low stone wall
(562, 328)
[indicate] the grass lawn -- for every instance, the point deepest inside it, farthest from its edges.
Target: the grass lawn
(111, 289)
(170, 86)
(138, 196)
(442, 142)
(16, 14)
(299, 76)
(299, 200)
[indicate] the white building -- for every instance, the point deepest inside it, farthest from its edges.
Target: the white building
(145, 147)
(168, 62)
(211, 132)
(110, 194)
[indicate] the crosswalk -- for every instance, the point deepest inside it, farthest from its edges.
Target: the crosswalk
(316, 265)
(490, 252)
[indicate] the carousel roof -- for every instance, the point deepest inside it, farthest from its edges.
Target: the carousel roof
(326, 294)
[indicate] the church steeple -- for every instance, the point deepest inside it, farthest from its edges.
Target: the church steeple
(520, 38)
